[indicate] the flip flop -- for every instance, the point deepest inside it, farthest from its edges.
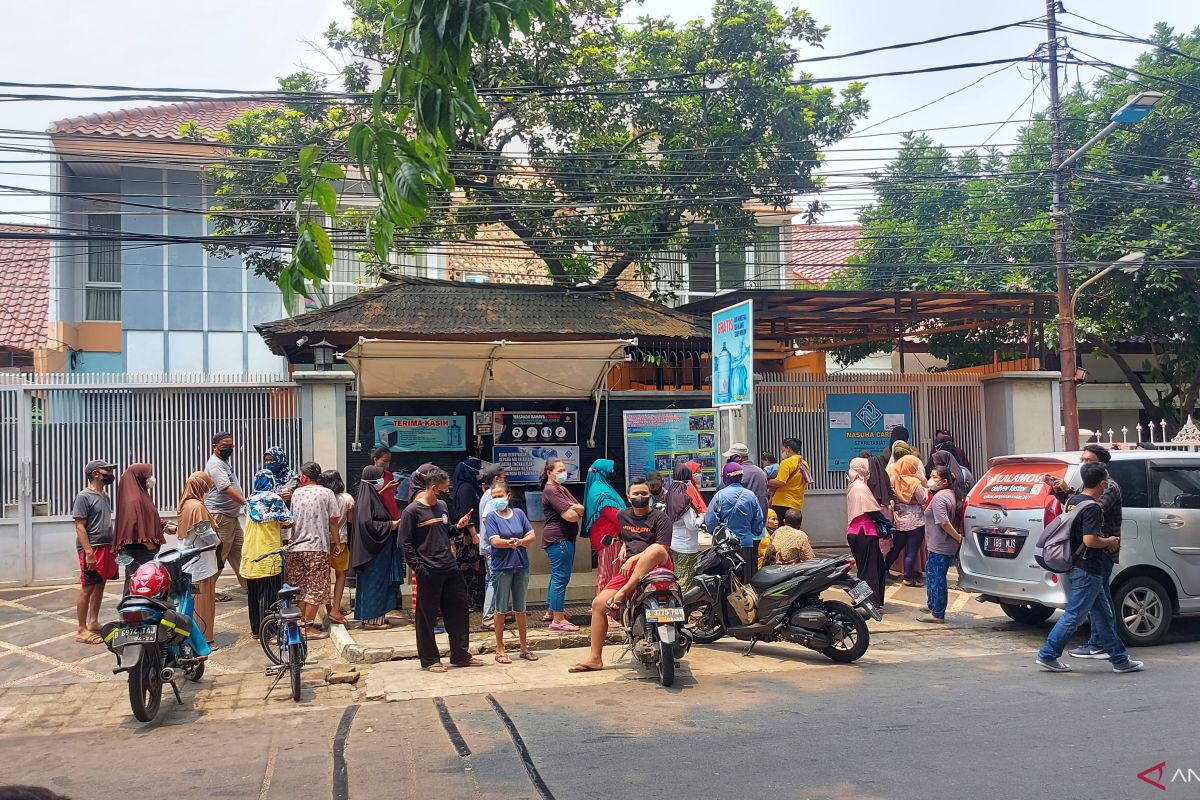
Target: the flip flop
(529, 655)
(90, 639)
(439, 667)
(474, 662)
(584, 668)
(375, 627)
(318, 635)
(502, 658)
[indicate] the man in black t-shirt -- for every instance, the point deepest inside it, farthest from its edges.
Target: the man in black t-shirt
(1088, 592)
(645, 545)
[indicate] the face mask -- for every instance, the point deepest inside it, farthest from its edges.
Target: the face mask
(107, 479)
(639, 502)
(932, 484)
(499, 503)
(378, 483)
(559, 476)
(151, 482)
(224, 452)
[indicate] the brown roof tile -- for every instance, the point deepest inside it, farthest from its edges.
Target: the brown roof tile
(24, 287)
(155, 122)
(818, 252)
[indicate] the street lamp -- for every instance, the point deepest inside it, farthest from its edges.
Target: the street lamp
(1128, 263)
(1136, 108)
(323, 355)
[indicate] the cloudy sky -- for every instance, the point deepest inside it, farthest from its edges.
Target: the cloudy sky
(246, 44)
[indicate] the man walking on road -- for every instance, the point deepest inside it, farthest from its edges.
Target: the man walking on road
(92, 511)
(1088, 593)
(225, 503)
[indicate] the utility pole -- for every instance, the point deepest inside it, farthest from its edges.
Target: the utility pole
(1059, 212)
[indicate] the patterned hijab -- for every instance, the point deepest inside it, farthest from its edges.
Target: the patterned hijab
(279, 467)
(264, 505)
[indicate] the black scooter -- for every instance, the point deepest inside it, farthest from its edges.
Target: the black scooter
(789, 605)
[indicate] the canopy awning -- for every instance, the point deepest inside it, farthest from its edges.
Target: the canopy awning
(390, 368)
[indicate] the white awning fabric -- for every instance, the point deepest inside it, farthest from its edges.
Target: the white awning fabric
(388, 368)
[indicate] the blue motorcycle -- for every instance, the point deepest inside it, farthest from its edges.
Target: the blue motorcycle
(155, 638)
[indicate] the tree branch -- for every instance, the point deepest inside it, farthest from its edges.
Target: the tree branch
(1130, 376)
(526, 234)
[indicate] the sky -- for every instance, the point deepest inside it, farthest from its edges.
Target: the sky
(247, 44)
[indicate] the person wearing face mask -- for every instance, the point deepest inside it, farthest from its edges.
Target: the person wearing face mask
(139, 528)
(942, 537)
(92, 511)
(685, 531)
(225, 502)
(562, 513)
(374, 550)
(266, 516)
(509, 533)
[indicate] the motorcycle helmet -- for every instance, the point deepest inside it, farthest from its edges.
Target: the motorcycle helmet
(150, 580)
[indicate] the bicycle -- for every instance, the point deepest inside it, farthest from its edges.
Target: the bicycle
(279, 632)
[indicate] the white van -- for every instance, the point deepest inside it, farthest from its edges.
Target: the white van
(1158, 576)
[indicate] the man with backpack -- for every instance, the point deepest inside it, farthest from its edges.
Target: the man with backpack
(1074, 543)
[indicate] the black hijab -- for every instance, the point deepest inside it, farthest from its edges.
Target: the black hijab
(878, 480)
(678, 501)
(416, 481)
(372, 520)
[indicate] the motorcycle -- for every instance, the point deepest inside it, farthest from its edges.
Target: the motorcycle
(155, 639)
(652, 620)
(779, 603)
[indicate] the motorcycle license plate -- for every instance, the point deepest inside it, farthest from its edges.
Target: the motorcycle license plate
(140, 635)
(665, 615)
(861, 591)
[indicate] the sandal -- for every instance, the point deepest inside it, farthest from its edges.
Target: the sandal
(563, 627)
(376, 626)
(438, 667)
(584, 668)
(338, 618)
(474, 662)
(502, 658)
(308, 637)
(547, 617)
(92, 638)
(529, 655)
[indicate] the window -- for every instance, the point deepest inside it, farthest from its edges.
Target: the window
(1131, 477)
(767, 253)
(1176, 487)
(701, 260)
(102, 289)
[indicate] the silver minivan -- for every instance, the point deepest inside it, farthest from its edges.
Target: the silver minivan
(1158, 576)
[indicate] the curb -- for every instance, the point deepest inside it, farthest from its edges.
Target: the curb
(354, 653)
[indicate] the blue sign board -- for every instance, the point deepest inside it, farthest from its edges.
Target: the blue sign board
(733, 355)
(860, 422)
(523, 463)
(408, 434)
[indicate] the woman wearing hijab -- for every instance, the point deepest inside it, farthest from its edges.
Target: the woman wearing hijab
(693, 488)
(908, 521)
(902, 449)
(685, 526)
(203, 570)
(138, 530)
(963, 479)
(879, 483)
(601, 502)
(865, 513)
(464, 499)
(374, 552)
(898, 434)
(267, 514)
(275, 462)
(944, 442)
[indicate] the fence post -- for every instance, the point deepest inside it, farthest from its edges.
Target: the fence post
(323, 417)
(24, 398)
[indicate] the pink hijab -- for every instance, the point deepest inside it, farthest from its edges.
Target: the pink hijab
(859, 499)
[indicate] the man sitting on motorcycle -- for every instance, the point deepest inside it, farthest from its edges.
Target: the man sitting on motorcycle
(646, 538)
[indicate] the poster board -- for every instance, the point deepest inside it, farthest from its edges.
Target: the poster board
(659, 440)
(523, 463)
(733, 355)
(535, 427)
(861, 421)
(419, 434)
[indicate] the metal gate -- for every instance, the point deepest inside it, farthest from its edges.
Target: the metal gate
(793, 404)
(52, 425)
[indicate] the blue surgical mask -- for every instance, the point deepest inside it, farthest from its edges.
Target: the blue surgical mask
(499, 503)
(378, 483)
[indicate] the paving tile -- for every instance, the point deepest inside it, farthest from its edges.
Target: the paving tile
(68, 649)
(61, 600)
(35, 629)
(15, 666)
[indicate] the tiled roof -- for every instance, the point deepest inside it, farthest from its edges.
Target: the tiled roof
(818, 252)
(155, 122)
(24, 288)
(421, 308)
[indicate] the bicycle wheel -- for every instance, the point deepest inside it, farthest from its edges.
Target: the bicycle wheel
(271, 635)
(296, 656)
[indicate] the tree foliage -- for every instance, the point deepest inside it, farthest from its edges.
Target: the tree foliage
(984, 219)
(594, 142)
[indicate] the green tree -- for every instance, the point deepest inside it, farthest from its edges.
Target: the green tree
(982, 218)
(637, 130)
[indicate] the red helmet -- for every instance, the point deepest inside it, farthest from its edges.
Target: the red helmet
(150, 580)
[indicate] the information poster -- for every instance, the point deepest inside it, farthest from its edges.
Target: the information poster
(524, 463)
(483, 423)
(859, 422)
(660, 440)
(535, 427)
(421, 434)
(733, 355)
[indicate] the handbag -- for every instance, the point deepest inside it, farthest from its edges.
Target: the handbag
(885, 529)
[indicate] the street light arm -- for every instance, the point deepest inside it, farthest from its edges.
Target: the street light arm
(1088, 145)
(1087, 283)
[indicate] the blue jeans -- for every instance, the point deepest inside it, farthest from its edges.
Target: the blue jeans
(489, 593)
(1107, 564)
(1088, 595)
(936, 593)
(562, 558)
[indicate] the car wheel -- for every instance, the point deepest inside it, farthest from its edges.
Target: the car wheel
(1027, 613)
(1143, 611)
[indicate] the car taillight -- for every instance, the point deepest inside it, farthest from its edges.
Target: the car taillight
(136, 616)
(1053, 578)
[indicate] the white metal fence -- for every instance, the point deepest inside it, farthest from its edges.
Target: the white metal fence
(793, 405)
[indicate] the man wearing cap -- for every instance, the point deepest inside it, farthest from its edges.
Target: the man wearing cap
(754, 477)
(225, 502)
(737, 508)
(92, 511)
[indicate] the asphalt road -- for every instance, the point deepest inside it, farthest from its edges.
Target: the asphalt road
(962, 714)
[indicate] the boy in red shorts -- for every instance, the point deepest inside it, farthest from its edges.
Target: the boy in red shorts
(92, 511)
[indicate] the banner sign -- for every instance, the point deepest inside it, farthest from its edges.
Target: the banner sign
(659, 440)
(535, 427)
(421, 434)
(483, 423)
(524, 463)
(860, 422)
(1017, 486)
(733, 355)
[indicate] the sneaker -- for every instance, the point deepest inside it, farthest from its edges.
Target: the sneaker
(1052, 665)
(1132, 666)
(1087, 651)
(931, 618)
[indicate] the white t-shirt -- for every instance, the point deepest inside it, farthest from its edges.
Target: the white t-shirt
(685, 534)
(312, 508)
